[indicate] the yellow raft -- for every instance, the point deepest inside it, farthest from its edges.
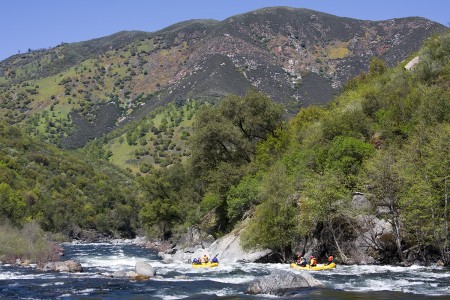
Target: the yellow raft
(206, 265)
(316, 268)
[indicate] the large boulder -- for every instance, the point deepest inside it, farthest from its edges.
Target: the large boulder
(228, 248)
(143, 268)
(283, 283)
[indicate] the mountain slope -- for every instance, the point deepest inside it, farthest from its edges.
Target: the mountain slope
(297, 56)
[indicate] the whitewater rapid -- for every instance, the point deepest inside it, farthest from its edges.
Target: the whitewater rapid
(180, 280)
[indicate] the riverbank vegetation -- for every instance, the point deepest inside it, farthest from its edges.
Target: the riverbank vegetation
(30, 244)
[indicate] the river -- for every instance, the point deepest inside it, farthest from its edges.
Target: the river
(228, 281)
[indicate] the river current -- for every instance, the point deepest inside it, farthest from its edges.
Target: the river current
(228, 281)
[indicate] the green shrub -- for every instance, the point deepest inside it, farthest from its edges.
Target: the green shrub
(29, 243)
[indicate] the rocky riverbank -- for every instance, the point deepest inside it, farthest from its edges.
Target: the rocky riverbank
(371, 243)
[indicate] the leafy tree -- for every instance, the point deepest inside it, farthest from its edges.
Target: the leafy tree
(425, 205)
(229, 132)
(273, 225)
(255, 114)
(242, 197)
(325, 204)
(170, 201)
(386, 187)
(377, 66)
(346, 155)
(12, 206)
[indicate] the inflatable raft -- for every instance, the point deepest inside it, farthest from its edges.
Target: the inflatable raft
(316, 268)
(206, 265)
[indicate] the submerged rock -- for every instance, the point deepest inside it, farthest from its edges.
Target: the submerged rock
(282, 283)
(62, 266)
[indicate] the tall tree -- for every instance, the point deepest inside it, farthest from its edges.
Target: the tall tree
(386, 187)
(273, 225)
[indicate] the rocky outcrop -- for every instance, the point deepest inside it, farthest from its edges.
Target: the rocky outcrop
(412, 63)
(226, 249)
(282, 283)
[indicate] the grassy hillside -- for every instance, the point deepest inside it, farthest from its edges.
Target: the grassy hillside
(157, 140)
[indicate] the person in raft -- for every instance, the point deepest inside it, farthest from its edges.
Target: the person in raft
(312, 261)
(205, 259)
(214, 260)
(330, 259)
(301, 261)
(197, 261)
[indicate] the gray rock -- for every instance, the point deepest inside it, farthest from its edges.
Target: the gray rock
(283, 283)
(62, 266)
(119, 274)
(131, 274)
(229, 249)
(143, 268)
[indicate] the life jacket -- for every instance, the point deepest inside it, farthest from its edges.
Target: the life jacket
(205, 259)
(313, 262)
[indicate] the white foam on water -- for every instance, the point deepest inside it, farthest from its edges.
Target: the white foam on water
(85, 291)
(52, 283)
(391, 279)
(174, 297)
(111, 263)
(234, 280)
(65, 295)
(415, 279)
(18, 275)
(221, 293)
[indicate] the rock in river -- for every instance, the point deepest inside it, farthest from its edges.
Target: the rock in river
(282, 283)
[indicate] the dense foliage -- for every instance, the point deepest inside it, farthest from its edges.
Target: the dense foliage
(386, 136)
(223, 145)
(62, 191)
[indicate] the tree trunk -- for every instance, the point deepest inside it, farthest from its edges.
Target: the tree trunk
(338, 247)
(398, 239)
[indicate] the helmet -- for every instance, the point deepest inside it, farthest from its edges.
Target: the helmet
(312, 256)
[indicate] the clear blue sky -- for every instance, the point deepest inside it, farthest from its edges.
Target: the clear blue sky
(35, 24)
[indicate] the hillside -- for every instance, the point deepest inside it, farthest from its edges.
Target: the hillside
(73, 93)
(63, 191)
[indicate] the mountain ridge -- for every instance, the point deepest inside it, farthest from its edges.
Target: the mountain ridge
(297, 56)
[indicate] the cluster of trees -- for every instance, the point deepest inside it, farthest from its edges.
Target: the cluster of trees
(63, 191)
(223, 146)
(386, 135)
